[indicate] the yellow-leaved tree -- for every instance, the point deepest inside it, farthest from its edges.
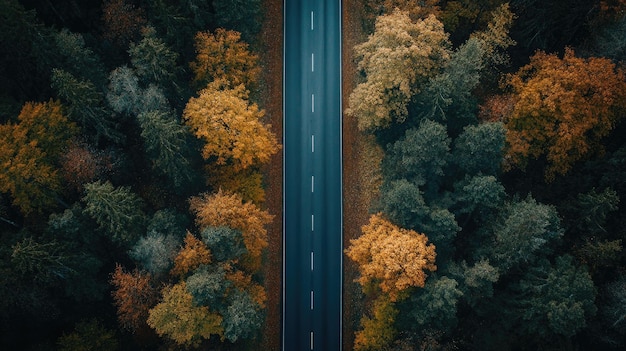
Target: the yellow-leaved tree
(396, 60)
(194, 254)
(230, 126)
(222, 55)
(562, 109)
(391, 257)
(229, 210)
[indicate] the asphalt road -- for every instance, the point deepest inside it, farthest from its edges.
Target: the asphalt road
(312, 222)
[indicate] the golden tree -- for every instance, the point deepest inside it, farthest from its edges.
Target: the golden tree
(391, 257)
(230, 126)
(563, 108)
(378, 331)
(191, 256)
(177, 317)
(399, 57)
(229, 210)
(222, 55)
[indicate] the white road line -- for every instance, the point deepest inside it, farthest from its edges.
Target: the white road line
(311, 261)
(312, 143)
(312, 102)
(311, 300)
(311, 340)
(312, 62)
(312, 183)
(311, 20)
(312, 223)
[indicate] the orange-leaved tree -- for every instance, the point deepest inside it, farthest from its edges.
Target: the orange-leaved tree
(28, 152)
(229, 210)
(230, 126)
(194, 254)
(391, 257)
(222, 55)
(563, 108)
(133, 295)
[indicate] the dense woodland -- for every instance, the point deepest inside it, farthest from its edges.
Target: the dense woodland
(131, 187)
(498, 224)
(131, 149)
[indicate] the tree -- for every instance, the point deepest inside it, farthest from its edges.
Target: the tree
(85, 105)
(229, 210)
(396, 60)
(124, 94)
(223, 56)
(81, 164)
(122, 22)
(476, 282)
(248, 182)
(564, 107)
(28, 151)
(554, 299)
(116, 210)
(180, 319)
(435, 306)
(226, 244)
(243, 16)
(89, 335)
(155, 252)
(524, 233)
(378, 331)
(78, 59)
(193, 255)
(479, 148)
(420, 156)
(375, 8)
(43, 262)
(391, 257)
(134, 295)
(230, 126)
(243, 317)
(209, 286)
(153, 61)
(480, 195)
(165, 140)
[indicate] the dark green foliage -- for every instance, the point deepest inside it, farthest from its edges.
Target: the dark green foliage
(165, 140)
(243, 16)
(154, 62)
(225, 243)
(89, 335)
(479, 149)
(78, 59)
(524, 232)
(435, 306)
(242, 318)
(208, 286)
(116, 210)
(554, 299)
(480, 195)
(420, 155)
(86, 106)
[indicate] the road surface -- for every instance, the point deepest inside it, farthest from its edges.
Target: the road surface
(312, 199)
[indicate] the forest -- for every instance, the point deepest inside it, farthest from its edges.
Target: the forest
(497, 134)
(134, 142)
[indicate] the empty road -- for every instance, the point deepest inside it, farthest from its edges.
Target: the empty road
(312, 199)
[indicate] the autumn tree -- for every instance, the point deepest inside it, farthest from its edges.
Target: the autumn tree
(194, 254)
(134, 295)
(391, 257)
(230, 126)
(181, 320)
(122, 21)
(247, 182)
(229, 210)
(397, 59)
(564, 107)
(117, 210)
(81, 164)
(223, 56)
(28, 153)
(378, 330)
